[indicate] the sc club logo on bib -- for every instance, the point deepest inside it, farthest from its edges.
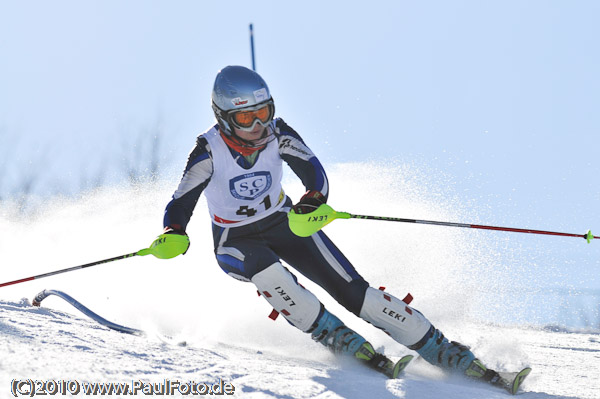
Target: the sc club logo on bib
(250, 185)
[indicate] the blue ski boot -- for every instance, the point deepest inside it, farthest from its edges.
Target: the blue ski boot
(333, 334)
(437, 350)
(453, 356)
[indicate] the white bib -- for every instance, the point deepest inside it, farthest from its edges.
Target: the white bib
(238, 196)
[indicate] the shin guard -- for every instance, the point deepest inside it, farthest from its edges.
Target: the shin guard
(403, 323)
(298, 305)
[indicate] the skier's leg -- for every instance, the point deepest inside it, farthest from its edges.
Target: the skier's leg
(303, 310)
(409, 327)
(405, 324)
(317, 258)
(321, 261)
(395, 317)
(244, 257)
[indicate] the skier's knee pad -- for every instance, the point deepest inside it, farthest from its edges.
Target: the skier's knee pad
(279, 287)
(403, 323)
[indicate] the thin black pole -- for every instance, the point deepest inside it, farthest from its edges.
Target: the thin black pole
(252, 47)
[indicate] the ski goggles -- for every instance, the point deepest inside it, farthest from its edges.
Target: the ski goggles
(247, 118)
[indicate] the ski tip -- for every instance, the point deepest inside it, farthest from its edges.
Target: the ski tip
(401, 365)
(519, 378)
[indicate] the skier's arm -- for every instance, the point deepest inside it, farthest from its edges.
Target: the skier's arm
(301, 160)
(195, 178)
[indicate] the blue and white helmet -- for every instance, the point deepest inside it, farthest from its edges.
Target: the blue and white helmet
(236, 89)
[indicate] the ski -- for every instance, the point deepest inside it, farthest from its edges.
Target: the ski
(511, 381)
(401, 365)
(387, 367)
(380, 362)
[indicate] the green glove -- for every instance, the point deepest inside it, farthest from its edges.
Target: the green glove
(167, 246)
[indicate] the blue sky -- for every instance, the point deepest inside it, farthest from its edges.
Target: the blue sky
(500, 97)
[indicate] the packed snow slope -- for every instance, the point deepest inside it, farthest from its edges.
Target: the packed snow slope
(46, 344)
(479, 288)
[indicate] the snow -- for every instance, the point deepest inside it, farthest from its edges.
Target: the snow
(42, 343)
(460, 281)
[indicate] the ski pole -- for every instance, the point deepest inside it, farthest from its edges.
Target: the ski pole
(141, 252)
(171, 245)
(70, 269)
(305, 225)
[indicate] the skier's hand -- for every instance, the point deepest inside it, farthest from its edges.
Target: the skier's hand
(173, 242)
(310, 201)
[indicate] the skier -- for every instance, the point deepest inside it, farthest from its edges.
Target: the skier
(237, 163)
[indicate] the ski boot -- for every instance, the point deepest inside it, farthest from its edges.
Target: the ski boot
(333, 334)
(437, 350)
(454, 356)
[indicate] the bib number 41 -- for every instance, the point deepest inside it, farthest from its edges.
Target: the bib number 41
(245, 210)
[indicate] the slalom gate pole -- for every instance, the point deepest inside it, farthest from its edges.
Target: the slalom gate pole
(70, 269)
(252, 47)
(588, 236)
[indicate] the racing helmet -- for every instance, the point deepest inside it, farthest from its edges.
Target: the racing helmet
(241, 99)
